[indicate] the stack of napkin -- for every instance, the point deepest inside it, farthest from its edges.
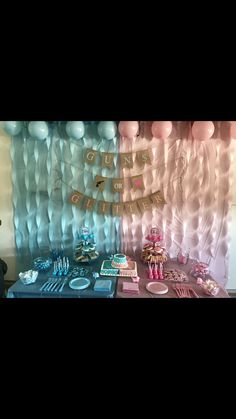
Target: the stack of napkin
(130, 287)
(103, 285)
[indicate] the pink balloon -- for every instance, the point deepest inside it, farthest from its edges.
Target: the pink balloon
(161, 129)
(203, 130)
(128, 129)
(233, 129)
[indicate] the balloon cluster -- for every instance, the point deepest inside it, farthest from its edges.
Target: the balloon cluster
(201, 130)
(76, 129)
(127, 129)
(37, 129)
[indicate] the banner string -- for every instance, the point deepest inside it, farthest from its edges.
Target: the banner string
(125, 177)
(110, 143)
(76, 189)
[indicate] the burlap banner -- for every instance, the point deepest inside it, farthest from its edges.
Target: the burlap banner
(90, 156)
(117, 185)
(126, 159)
(118, 209)
(143, 157)
(137, 182)
(158, 199)
(131, 208)
(89, 203)
(100, 183)
(104, 207)
(107, 160)
(76, 198)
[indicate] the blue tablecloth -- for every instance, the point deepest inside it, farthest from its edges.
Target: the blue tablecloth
(19, 290)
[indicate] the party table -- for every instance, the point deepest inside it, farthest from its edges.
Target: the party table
(170, 264)
(19, 290)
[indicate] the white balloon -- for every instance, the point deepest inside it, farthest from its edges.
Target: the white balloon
(75, 129)
(38, 129)
(13, 127)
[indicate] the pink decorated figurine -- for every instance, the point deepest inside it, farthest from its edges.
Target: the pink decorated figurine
(155, 271)
(161, 273)
(150, 274)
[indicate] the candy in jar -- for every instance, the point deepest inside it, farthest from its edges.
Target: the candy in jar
(182, 257)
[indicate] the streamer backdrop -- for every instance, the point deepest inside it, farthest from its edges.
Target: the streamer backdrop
(196, 216)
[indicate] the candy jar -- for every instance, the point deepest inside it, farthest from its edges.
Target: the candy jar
(182, 257)
(199, 270)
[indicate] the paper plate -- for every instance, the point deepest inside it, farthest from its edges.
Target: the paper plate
(79, 283)
(157, 288)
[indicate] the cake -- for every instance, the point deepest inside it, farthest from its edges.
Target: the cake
(131, 271)
(119, 266)
(108, 270)
(154, 252)
(119, 261)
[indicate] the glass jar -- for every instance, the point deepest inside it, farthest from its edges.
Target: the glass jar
(183, 257)
(42, 263)
(199, 270)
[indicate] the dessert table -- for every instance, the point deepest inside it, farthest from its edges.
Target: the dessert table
(19, 290)
(170, 264)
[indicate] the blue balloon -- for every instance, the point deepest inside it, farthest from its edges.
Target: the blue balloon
(13, 127)
(107, 129)
(38, 129)
(75, 129)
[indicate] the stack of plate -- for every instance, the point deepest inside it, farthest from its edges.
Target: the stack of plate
(79, 283)
(157, 288)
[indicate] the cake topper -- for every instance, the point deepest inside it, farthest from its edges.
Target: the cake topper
(85, 235)
(154, 235)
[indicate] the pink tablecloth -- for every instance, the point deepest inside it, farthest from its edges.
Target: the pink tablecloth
(171, 264)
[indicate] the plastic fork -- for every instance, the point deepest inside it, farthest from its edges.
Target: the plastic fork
(182, 291)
